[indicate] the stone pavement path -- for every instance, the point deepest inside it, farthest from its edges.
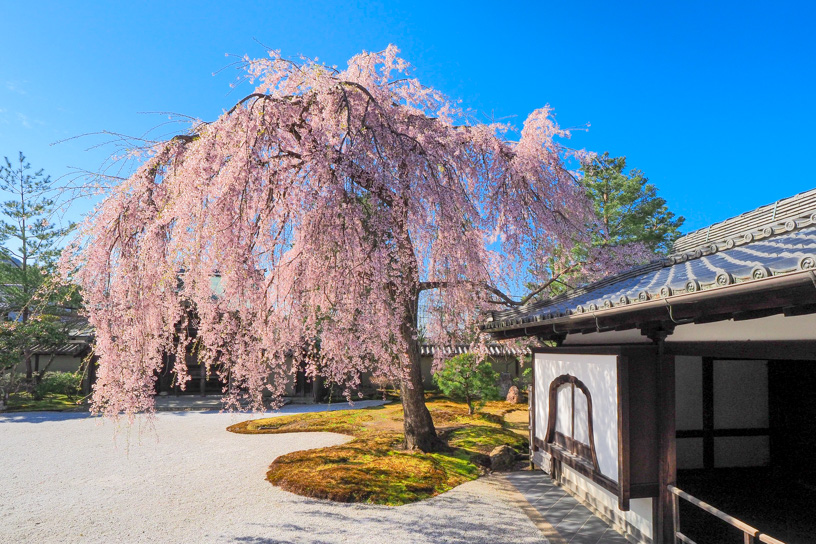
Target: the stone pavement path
(560, 517)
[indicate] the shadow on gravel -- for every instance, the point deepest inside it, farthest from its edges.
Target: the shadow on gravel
(47, 417)
(43, 417)
(331, 527)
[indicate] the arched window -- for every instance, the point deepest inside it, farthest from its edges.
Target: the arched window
(569, 425)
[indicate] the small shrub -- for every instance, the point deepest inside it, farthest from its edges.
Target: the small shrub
(9, 383)
(60, 383)
(466, 378)
(525, 379)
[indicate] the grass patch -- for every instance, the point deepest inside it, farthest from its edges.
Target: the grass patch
(483, 439)
(372, 467)
(25, 402)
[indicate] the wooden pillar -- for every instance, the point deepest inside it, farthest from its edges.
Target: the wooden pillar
(90, 377)
(531, 411)
(667, 447)
(663, 511)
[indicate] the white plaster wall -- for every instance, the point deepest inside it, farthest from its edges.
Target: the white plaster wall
(61, 363)
(600, 374)
(776, 327)
(631, 336)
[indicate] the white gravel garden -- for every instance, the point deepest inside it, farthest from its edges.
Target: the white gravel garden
(64, 478)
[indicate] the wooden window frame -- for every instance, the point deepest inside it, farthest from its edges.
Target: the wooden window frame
(579, 456)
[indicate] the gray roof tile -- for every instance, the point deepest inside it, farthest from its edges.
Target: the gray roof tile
(775, 248)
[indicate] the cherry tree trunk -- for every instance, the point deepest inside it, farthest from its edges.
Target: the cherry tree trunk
(417, 423)
(418, 426)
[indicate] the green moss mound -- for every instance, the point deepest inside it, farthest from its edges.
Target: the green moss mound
(483, 439)
(372, 468)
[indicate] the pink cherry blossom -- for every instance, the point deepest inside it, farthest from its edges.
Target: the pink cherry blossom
(311, 223)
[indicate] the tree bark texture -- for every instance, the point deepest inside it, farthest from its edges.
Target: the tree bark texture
(418, 425)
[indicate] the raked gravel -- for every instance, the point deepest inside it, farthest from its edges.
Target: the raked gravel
(67, 477)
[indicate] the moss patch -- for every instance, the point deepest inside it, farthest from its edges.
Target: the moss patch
(372, 468)
(483, 439)
(518, 421)
(25, 402)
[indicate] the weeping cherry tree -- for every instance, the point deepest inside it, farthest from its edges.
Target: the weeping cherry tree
(330, 203)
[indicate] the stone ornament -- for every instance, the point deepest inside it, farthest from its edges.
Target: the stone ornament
(724, 278)
(761, 272)
(692, 286)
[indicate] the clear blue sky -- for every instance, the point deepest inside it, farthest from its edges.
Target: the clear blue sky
(714, 101)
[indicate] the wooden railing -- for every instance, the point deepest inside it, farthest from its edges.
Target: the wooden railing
(751, 535)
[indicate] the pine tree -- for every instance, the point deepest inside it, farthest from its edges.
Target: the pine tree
(630, 215)
(628, 206)
(31, 311)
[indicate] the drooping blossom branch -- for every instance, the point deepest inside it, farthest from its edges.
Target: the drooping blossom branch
(302, 226)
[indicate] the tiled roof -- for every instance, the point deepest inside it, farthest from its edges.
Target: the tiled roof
(497, 350)
(73, 349)
(793, 208)
(10, 259)
(740, 250)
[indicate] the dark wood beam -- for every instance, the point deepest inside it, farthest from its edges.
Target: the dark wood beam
(800, 310)
(667, 447)
(708, 412)
(804, 350)
(700, 433)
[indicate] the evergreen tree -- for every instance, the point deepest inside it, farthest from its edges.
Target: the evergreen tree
(32, 309)
(628, 206)
(630, 215)
(468, 378)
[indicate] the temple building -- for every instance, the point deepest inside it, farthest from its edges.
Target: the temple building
(678, 399)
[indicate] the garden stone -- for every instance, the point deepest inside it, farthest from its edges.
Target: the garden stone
(514, 395)
(502, 458)
(505, 382)
(481, 460)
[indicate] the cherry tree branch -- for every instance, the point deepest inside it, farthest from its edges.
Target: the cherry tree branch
(554, 279)
(504, 299)
(428, 285)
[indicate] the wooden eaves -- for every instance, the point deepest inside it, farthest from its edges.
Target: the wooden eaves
(789, 294)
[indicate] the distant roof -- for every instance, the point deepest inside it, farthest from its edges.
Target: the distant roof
(773, 240)
(78, 344)
(497, 350)
(74, 349)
